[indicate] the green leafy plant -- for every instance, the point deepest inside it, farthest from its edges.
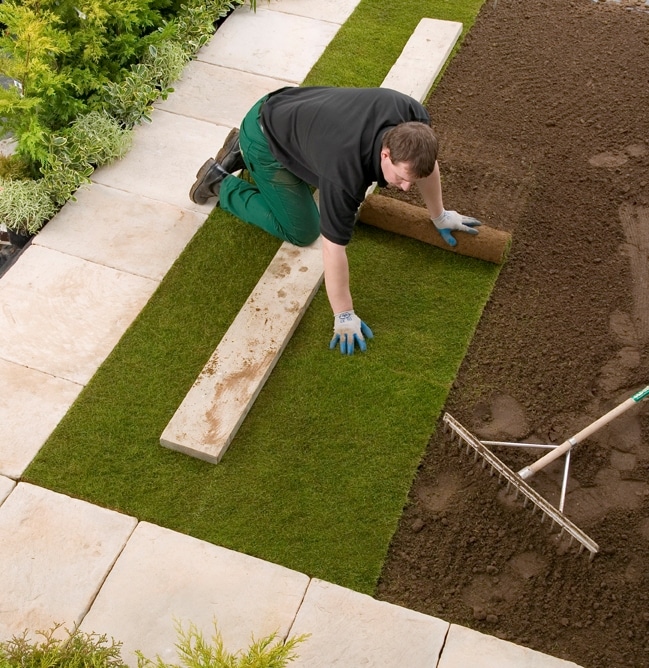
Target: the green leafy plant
(14, 167)
(29, 47)
(195, 652)
(130, 101)
(166, 63)
(85, 72)
(25, 205)
(96, 138)
(77, 650)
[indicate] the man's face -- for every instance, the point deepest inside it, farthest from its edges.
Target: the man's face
(396, 173)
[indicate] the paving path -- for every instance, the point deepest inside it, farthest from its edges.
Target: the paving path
(65, 303)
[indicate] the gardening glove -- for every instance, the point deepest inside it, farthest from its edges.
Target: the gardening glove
(349, 330)
(449, 221)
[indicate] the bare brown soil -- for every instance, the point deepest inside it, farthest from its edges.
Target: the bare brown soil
(543, 119)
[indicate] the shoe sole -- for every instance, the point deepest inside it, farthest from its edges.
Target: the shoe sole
(200, 174)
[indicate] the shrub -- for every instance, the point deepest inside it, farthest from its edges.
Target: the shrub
(91, 650)
(195, 652)
(25, 205)
(77, 650)
(85, 73)
(96, 138)
(14, 167)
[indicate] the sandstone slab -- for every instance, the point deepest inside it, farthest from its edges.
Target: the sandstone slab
(6, 485)
(334, 12)
(164, 577)
(121, 230)
(32, 405)
(278, 45)
(210, 415)
(352, 629)
(220, 95)
(164, 159)
(465, 647)
(62, 315)
(55, 552)
(423, 57)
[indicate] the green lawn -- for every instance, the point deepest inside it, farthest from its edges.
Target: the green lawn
(319, 472)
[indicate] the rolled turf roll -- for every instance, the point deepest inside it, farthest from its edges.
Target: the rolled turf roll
(412, 221)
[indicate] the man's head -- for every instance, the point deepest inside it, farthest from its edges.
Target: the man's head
(408, 153)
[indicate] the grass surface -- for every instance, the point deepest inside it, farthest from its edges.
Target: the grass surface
(366, 47)
(318, 474)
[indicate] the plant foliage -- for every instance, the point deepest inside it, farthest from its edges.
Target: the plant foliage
(84, 73)
(195, 652)
(25, 205)
(77, 650)
(91, 650)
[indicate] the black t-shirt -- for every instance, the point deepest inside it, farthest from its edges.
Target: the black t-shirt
(331, 138)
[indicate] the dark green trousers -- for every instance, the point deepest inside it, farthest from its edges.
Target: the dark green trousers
(278, 201)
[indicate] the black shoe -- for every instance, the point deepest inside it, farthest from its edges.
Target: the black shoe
(229, 157)
(208, 182)
(210, 176)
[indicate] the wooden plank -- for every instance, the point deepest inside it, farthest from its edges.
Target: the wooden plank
(423, 57)
(216, 405)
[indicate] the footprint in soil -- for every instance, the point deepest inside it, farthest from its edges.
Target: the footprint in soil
(435, 498)
(503, 418)
(491, 594)
(606, 471)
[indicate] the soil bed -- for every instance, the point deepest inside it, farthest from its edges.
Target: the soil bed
(544, 128)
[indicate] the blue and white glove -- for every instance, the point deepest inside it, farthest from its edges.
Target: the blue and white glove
(349, 330)
(450, 221)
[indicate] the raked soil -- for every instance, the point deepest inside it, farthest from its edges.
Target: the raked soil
(543, 120)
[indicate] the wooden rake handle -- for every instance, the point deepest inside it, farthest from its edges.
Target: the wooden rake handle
(530, 470)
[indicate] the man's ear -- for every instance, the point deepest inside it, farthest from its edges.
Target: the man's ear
(385, 152)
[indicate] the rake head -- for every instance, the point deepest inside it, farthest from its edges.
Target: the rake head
(519, 486)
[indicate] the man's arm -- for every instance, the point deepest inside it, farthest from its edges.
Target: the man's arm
(349, 329)
(336, 271)
(431, 190)
(445, 221)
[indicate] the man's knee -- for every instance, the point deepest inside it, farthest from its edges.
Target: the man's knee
(303, 239)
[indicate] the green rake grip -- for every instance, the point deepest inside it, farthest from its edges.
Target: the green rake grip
(643, 394)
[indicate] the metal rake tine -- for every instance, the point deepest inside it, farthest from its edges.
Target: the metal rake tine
(521, 486)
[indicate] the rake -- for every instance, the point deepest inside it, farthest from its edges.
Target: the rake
(516, 481)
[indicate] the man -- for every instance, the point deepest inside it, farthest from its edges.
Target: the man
(340, 140)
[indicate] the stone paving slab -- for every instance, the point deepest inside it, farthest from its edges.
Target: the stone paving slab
(336, 12)
(6, 486)
(278, 45)
(164, 159)
(423, 57)
(117, 229)
(215, 94)
(216, 405)
(465, 647)
(352, 629)
(63, 315)
(163, 577)
(55, 552)
(32, 405)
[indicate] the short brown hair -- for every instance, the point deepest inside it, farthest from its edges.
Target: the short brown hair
(413, 143)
